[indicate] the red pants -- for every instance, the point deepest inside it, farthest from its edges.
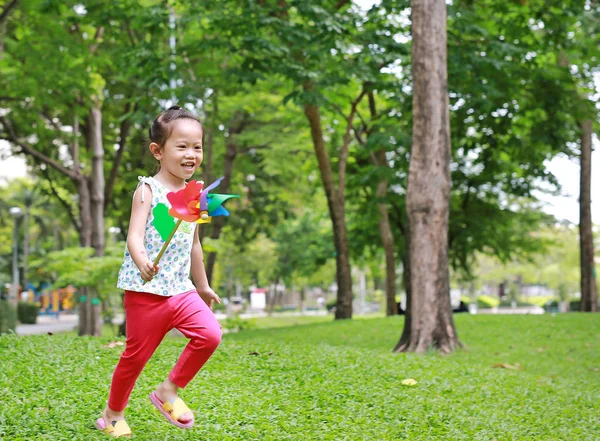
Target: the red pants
(149, 317)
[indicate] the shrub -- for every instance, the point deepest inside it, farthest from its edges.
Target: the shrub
(218, 307)
(236, 324)
(540, 300)
(508, 303)
(486, 302)
(8, 317)
(27, 312)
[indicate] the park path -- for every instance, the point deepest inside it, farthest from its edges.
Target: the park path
(53, 324)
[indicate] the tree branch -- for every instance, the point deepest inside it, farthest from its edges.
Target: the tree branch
(123, 134)
(347, 138)
(6, 10)
(28, 150)
(97, 37)
(62, 201)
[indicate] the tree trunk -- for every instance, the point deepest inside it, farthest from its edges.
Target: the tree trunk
(26, 241)
(335, 202)
(97, 180)
(387, 240)
(85, 240)
(385, 230)
(91, 212)
(219, 222)
(428, 192)
(404, 338)
(85, 214)
(589, 292)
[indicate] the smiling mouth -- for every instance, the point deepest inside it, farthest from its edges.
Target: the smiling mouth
(189, 165)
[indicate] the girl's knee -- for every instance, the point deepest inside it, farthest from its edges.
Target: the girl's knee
(213, 337)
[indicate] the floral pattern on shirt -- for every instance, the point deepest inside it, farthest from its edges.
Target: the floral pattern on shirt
(174, 267)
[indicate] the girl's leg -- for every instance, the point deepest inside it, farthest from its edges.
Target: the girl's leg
(197, 322)
(148, 318)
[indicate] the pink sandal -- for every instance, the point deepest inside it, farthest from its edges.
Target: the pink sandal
(172, 410)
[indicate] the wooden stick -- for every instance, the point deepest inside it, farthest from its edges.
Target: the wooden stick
(164, 247)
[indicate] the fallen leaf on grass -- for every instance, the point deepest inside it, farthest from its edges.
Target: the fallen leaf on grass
(113, 344)
(595, 369)
(409, 382)
(253, 353)
(507, 366)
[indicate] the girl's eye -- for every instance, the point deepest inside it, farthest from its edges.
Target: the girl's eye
(180, 146)
(198, 147)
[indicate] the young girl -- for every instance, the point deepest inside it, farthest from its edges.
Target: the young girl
(169, 299)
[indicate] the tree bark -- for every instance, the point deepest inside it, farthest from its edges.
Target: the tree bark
(428, 193)
(589, 290)
(335, 202)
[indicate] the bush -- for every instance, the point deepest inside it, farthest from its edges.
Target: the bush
(486, 302)
(237, 324)
(540, 300)
(218, 307)
(28, 312)
(508, 303)
(8, 317)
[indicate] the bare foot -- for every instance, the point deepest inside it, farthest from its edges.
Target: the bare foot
(167, 391)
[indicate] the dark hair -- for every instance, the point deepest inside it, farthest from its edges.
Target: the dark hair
(161, 127)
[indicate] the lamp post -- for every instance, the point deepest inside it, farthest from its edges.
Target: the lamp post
(16, 213)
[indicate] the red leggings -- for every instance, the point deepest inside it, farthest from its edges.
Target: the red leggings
(149, 317)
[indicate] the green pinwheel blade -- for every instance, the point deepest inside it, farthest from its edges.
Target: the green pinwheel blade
(216, 200)
(163, 221)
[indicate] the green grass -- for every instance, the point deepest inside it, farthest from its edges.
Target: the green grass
(326, 381)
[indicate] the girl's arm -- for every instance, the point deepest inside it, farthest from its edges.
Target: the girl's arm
(135, 235)
(199, 273)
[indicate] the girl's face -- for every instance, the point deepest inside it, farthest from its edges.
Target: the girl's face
(182, 153)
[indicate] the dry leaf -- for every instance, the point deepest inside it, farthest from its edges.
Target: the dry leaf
(507, 366)
(409, 382)
(113, 344)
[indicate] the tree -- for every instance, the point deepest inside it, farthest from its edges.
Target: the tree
(589, 289)
(428, 193)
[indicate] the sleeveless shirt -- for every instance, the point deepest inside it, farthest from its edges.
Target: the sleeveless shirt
(173, 276)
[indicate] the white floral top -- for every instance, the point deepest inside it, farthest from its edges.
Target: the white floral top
(174, 267)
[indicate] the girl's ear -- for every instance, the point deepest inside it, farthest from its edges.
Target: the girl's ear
(155, 150)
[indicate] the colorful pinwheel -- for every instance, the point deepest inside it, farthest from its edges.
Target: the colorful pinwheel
(191, 204)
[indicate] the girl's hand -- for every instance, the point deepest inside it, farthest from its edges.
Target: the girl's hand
(208, 295)
(148, 271)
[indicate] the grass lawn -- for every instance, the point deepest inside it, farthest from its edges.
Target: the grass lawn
(326, 381)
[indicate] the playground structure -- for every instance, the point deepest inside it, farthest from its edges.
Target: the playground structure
(51, 301)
